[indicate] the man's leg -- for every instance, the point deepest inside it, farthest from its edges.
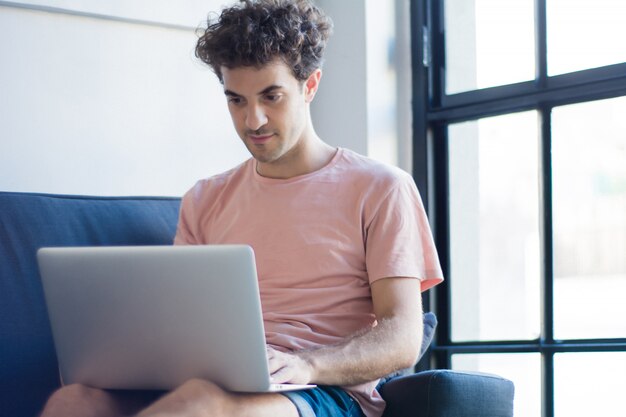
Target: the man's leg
(198, 398)
(82, 401)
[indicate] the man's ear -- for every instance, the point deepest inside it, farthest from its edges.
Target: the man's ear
(311, 85)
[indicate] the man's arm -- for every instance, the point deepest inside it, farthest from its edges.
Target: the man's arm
(392, 344)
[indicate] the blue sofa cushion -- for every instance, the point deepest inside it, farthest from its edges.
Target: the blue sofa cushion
(28, 366)
(445, 393)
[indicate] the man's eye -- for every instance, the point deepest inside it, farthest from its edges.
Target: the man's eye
(272, 97)
(234, 100)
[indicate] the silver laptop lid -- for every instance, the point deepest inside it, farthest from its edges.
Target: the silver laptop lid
(154, 317)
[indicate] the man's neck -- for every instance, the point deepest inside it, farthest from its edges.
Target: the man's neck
(311, 156)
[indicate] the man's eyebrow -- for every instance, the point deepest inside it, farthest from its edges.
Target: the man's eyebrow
(266, 90)
(270, 89)
(231, 93)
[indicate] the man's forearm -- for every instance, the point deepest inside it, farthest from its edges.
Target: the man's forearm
(392, 344)
(387, 347)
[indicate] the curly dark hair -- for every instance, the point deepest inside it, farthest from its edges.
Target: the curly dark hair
(254, 33)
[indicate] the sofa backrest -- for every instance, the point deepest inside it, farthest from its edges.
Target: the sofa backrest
(28, 366)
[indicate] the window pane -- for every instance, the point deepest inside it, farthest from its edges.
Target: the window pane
(589, 384)
(589, 219)
(585, 34)
(488, 43)
(494, 228)
(524, 369)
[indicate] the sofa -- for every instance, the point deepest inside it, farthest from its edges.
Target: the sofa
(28, 365)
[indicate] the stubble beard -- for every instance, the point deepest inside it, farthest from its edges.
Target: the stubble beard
(263, 152)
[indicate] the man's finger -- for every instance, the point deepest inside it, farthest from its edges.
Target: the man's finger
(282, 375)
(275, 366)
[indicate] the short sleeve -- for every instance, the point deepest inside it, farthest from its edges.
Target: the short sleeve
(184, 234)
(399, 241)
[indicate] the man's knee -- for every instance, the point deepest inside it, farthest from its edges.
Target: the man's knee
(196, 387)
(76, 397)
(199, 391)
(75, 392)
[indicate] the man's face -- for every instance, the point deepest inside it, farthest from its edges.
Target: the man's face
(270, 109)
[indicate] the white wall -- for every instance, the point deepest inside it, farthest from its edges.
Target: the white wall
(340, 107)
(92, 105)
(364, 101)
(106, 98)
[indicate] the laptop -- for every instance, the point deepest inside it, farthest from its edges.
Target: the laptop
(153, 317)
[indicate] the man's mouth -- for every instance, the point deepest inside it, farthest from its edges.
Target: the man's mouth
(260, 139)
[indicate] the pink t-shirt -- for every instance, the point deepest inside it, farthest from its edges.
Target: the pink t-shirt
(320, 240)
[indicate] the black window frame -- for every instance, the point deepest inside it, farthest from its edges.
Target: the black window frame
(433, 111)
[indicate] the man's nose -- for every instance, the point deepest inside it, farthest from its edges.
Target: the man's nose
(255, 117)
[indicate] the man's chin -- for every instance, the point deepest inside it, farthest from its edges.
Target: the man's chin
(261, 155)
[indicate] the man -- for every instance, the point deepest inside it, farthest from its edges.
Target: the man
(342, 243)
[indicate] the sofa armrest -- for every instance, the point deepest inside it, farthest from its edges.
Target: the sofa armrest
(446, 393)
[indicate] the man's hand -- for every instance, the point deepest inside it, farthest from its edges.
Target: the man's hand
(288, 368)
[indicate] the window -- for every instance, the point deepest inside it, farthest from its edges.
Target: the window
(520, 154)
